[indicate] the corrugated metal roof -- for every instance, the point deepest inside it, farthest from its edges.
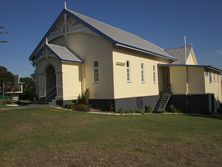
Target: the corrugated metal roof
(123, 37)
(63, 53)
(179, 53)
(190, 65)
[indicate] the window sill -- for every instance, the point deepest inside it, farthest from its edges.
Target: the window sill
(96, 82)
(129, 82)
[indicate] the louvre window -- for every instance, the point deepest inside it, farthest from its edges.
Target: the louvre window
(128, 71)
(96, 71)
(142, 73)
(154, 74)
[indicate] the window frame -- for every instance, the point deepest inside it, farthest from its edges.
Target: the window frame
(142, 72)
(96, 77)
(128, 71)
(154, 74)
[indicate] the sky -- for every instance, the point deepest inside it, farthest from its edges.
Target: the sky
(162, 22)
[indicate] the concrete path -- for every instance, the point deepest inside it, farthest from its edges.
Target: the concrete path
(30, 106)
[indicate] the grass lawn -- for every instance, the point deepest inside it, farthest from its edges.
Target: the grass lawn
(51, 137)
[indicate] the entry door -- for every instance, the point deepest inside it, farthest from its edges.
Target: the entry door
(166, 78)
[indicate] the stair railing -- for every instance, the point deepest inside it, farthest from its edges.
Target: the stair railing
(51, 92)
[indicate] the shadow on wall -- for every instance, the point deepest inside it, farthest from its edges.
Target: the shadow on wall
(201, 104)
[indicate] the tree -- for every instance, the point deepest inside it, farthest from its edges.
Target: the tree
(28, 88)
(5, 75)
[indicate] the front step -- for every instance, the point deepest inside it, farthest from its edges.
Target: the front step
(43, 101)
(52, 102)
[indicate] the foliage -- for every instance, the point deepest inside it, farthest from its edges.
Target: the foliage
(28, 89)
(173, 109)
(108, 107)
(82, 103)
(80, 107)
(84, 98)
(148, 109)
(5, 75)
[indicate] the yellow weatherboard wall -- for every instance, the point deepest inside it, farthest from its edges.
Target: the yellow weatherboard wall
(178, 80)
(214, 86)
(196, 83)
(134, 88)
(92, 48)
(71, 79)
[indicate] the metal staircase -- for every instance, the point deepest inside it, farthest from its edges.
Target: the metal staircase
(162, 101)
(50, 97)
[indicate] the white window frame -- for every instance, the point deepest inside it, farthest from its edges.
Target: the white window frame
(128, 71)
(142, 73)
(96, 72)
(154, 74)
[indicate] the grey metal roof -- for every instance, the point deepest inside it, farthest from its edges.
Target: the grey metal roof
(122, 37)
(190, 65)
(63, 53)
(117, 36)
(179, 53)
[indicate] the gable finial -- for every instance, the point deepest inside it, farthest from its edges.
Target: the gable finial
(65, 5)
(46, 41)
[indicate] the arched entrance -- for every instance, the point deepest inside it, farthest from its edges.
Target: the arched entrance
(50, 82)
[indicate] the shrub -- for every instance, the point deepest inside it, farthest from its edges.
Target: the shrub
(107, 107)
(120, 110)
(148, 109)
(84, 98)
(174, 109)
(80, 107)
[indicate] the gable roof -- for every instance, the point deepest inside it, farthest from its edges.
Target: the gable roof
(179, 53)
(63, 53)
(115, 35)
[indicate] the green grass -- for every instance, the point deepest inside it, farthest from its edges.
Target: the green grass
(51, 137)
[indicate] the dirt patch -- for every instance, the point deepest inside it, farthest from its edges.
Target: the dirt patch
(152, 155)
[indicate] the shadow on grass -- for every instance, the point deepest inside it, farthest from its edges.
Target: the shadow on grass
(214, 116)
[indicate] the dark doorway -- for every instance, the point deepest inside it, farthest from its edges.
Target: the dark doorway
(50, 82)
(166, 78)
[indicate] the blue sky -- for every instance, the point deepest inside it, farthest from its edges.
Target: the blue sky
(163, 22)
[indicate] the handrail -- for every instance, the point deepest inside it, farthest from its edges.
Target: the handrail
(48, 94)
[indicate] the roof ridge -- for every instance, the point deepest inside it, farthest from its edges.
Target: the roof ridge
(179, 47)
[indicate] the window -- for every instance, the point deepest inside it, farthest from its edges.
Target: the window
(214, 77)
(206, 74)
(210, 78)
(128, 71)
(142, 73)
(217, 78)
(96, 71)
(154, 74)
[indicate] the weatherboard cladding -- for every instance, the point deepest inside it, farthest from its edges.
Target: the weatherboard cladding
(179, 53)
(116, 36)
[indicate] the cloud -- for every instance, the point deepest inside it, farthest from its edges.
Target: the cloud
(219, 52)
